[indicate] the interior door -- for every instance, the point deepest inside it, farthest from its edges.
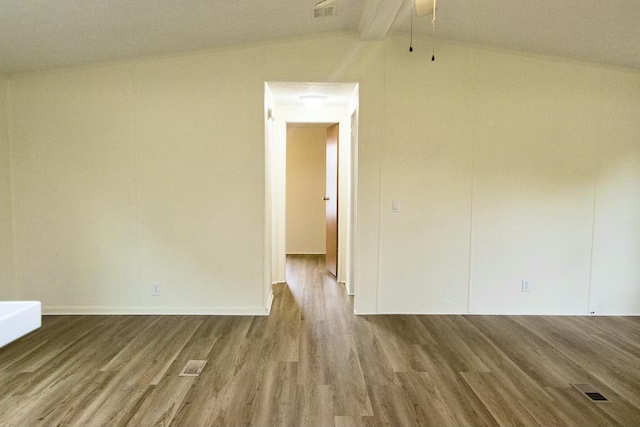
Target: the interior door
(331, 199)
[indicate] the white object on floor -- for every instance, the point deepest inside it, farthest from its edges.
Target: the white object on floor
(18, 318)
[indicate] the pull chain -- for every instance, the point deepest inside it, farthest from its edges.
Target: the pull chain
(411, 42)
(433, 38)
(433, 33)
(433, 28)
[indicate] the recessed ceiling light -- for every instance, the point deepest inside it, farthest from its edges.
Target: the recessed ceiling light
(313, 101)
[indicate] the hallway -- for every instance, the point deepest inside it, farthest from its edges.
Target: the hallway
(313, 363)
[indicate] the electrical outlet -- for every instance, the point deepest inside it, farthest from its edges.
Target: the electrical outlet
(526, 285)
(155, 289)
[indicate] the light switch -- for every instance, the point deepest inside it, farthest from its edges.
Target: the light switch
(395, 206)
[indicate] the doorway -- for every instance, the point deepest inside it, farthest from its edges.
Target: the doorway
(312, 218)
(282, 108)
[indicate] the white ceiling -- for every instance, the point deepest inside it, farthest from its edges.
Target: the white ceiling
(605, 31)
(41, 34)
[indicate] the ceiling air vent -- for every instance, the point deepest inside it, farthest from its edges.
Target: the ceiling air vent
(324, 9)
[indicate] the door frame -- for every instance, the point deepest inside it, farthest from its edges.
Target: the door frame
(278, 116)
(331, 199)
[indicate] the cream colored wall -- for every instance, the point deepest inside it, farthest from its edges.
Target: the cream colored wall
(507, 166)
(7, 288)
(615, 287)
(493, 157)
(534, 153)
(201, 179)
(426, 167)
(148, 172)
(75, 154)
(306, 171)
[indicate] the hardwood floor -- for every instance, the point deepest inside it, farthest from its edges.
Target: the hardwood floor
(313, 363)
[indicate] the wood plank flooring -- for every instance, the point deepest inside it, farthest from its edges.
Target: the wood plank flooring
(313, 363)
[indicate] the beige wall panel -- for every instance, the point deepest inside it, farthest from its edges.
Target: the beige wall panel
(317, 59)
(306, 183)
(615, 287)
(536, 127)
(7, 288)
(426, 167)
(74, 156)
(201, 180)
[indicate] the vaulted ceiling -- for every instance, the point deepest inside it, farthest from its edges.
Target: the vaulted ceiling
(42, 34)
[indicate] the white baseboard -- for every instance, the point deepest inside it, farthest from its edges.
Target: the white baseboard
(348, 290)
(405, 313)
(270, 303)
(159, 311)
(306, 253)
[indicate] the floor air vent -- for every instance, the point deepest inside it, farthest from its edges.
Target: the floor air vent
(193, 368)
(591, 393)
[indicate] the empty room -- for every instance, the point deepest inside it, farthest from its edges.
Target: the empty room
(468, 255)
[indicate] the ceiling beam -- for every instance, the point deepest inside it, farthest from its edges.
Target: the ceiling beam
(377, 17)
